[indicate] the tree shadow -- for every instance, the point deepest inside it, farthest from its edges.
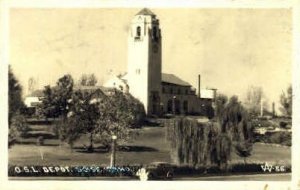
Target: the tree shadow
(121, 148)
(34, 143)
(152, 123)
(64, 159)
(40, 134)
(130, 148)
(85, 149)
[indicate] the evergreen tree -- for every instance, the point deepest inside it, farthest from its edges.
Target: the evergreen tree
(15, 102)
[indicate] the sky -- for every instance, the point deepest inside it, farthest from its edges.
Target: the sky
(232, 49)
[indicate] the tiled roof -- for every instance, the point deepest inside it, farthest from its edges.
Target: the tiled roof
(36, 93)
(102, 89)
(145, 11)
(87, 88)
(172, 79)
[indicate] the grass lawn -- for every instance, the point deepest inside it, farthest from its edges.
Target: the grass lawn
(149, 146)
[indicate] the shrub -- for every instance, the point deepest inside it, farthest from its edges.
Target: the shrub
(19, 123)
(283, 138)
(280, 137)
(40, 141)
(12, 136)
(260, 123)
(75, 171)
(249, 167)
(244, 149)
(283, 124)
(265, 123)
(135, 108)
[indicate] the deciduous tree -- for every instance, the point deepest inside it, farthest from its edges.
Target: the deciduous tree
(85, 112)
(56, 99)
(67, 130)
(88, 80)
(286, 101)
(118, 114)
(221, 101)
(235, 125)
(253, 100)
(194, 142)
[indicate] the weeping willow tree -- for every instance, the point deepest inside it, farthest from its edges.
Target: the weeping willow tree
(196, 143)
(193, 143)
(234, 121)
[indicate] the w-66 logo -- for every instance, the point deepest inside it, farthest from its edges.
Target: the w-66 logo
(271, 168)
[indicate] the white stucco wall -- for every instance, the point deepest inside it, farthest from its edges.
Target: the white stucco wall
(117, 83)
(32, 101)
(144, 65)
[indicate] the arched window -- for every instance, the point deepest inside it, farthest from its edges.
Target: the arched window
(178, 91)
(138, 31)
(170, 105)
(185, 106)
(177, 106)
(154, 33)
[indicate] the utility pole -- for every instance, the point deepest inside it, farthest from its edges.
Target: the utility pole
(113, 151)
(273, 109)
(199, 86)
(261, 108)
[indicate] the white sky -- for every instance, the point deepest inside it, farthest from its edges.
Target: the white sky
(231, 48)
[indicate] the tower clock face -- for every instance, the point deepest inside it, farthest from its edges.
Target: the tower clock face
(155, 48)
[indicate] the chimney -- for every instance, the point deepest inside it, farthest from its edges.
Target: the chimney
(199, 85)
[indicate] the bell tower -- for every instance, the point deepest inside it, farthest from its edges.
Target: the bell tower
(144, 60)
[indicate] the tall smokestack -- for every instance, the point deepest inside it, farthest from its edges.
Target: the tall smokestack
(199, 85)
(273, 109)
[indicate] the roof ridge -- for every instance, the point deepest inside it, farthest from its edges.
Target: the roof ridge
(173, 79)
(145, 11)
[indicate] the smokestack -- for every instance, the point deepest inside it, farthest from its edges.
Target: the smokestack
(273, 109)
(199, 85)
